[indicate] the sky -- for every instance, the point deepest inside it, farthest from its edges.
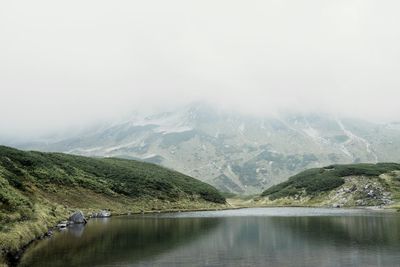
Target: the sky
(66, 64)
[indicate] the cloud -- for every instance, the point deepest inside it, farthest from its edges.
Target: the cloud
(74, 63)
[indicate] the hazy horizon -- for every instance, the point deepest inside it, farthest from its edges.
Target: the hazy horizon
(74, 64)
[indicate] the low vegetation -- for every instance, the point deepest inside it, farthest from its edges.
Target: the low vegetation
(39, 189)
(313, 182)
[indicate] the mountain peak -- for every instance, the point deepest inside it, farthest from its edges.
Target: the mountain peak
(252, 152)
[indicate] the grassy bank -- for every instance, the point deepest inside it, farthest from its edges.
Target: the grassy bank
(339, 185)
(37, 190)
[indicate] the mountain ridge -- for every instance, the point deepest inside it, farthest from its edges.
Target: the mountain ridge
(234, 152)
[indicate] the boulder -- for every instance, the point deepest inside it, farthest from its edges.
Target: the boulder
(62, 225)
(104, 214)
(77, 218)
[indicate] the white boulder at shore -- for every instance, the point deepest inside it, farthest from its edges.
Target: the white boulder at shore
(102, 214)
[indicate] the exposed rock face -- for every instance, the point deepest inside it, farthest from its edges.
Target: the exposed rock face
(235, 152)
(77, 218)
(361, 191)
(357, 190)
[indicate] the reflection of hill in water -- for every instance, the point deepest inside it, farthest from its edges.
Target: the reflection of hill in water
(293, 241)
(370, 231)
(119, 241)
(372, 239)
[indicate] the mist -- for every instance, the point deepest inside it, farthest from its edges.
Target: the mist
(73, 64)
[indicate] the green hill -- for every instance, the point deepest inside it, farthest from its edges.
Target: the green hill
(342, 185)
(39, 189)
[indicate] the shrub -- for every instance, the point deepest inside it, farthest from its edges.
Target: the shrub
(315, 181)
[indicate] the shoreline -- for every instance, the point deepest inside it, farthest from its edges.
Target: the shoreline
(370, 208)
(12, 259)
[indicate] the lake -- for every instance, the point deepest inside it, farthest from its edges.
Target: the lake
(245, 237)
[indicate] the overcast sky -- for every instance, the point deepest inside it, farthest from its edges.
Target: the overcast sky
(71, 63)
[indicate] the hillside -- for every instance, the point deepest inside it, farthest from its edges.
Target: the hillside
(39, 189)
(339, 185)
(234, 152)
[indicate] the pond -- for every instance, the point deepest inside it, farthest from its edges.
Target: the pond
(244, 237)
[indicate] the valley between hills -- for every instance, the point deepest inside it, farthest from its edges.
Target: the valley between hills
(238, 153)
(38, 190)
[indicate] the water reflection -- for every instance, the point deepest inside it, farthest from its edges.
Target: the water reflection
(118, 241)
(76, 230)
(339, 240)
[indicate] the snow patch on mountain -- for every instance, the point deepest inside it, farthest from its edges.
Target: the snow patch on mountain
(121, 146)
(354, 138)
(315, 135)
(237, 152)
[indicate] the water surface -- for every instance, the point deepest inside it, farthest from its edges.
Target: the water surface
(247, 237)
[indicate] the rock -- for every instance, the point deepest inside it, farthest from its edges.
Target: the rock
(77, 218)
(49, 233)
(360, 202)
(61, 225)
(103, 214)
(387, 201)
(371, 193)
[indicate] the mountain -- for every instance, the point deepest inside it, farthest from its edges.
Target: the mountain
(339, 185)
(37, 190)
(235, 152)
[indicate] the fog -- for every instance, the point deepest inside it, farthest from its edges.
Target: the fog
(70, 64)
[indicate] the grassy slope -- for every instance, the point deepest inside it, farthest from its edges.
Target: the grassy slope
(316, 185)
(39, 189)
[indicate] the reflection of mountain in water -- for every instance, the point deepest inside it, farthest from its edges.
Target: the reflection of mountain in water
(345, 239)
(120, 241)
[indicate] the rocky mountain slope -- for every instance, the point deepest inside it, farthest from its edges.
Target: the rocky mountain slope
(234, 152)
(339, 186)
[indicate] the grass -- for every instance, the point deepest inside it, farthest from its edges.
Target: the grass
(37, 190)
(315, 181)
